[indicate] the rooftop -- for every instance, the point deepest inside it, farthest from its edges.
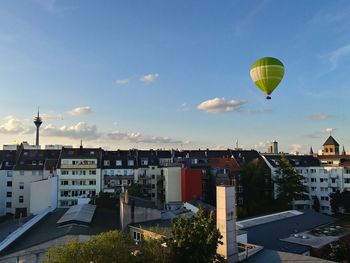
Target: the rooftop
(270, 234)
(47, 229)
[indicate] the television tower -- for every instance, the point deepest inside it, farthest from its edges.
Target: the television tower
(37, 121)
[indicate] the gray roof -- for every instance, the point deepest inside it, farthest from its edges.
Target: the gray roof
(272, 256)
(269, 235)
(79, 214)
(47, 229)
(331, 141)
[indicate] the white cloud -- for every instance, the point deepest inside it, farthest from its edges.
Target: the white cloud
(12, 126)
(80, 111)
(80, 130)
(220, 105)
(338, 54)
(184, 107)
(319, 116)
(51, 116)
(121, 82)
(296, 147)
(330, 130)
(149, 77)
(136, 137)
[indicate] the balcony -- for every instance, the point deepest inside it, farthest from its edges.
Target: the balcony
(78, 166)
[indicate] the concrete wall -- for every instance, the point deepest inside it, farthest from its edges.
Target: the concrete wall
(43, 194)
(133, 214)
(226, 222)
(172, 184)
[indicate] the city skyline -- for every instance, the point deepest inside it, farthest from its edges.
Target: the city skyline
(135, 75)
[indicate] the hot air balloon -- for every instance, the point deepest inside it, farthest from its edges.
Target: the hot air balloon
(267, 73)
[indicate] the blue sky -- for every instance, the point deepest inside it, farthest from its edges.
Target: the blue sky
(173, 74)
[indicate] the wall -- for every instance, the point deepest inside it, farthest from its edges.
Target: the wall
(130, 214)
(43, 194)
(191, 184)
(172, 184)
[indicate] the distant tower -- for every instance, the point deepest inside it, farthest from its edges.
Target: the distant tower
(226, 222)
(273, 148)
(343, 152)
(37, 121)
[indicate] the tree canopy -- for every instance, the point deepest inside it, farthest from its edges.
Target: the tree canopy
(289, 183)
(340, 200)
(257, 188)
(195, 239)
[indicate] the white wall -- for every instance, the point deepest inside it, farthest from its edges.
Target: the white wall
(43, 194)
(172, 184)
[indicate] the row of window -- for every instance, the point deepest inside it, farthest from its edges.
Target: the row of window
(79, 162)
(322, 180)
(120, 162)
(76, 193)
(78, 182)
(34, 173)
(68, 202)
(78, 172)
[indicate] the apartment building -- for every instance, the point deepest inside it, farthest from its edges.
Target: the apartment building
(118, 170)
(79, 174)
(7, 161)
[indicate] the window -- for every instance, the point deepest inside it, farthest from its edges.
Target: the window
(137, 236)
(347, 171)
(21, 185)
(9, 194)
(313, 189)
(8, 204)
(65, 182)
(118, 162)
(35, 173)
(323, 180)
(347, 180)
(331, 150)
(92, 172)
(153, 186)
(21, 199)
(313, 180)
(64, 172)
(333, 181)
(9, 183)
(130, 162)
(312, 171)
(144, 161)
(9, 173)
(21, 172)
(153, 176)
(240, 200)
(33, 162)
(106, 162)
(92, 182)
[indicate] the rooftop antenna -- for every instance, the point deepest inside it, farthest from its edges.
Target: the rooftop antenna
(81, 143)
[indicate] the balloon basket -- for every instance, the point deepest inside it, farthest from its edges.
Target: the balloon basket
(268, 97)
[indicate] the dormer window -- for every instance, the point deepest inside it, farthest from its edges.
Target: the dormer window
(118, 162)
(106, 162)
(130, 162)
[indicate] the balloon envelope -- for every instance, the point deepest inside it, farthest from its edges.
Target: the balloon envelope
(267, 73)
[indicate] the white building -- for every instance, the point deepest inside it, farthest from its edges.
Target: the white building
(6, 165)
(79, 174)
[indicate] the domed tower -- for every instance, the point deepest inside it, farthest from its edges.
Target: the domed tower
(331, 146)
(37, 121)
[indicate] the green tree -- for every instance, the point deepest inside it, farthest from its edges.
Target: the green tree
(257, 188)
(289, 184)
(340, 200)
(112, 246)
(195, 239)
(153, 251)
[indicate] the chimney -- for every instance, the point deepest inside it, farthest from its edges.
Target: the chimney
(226, 222)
